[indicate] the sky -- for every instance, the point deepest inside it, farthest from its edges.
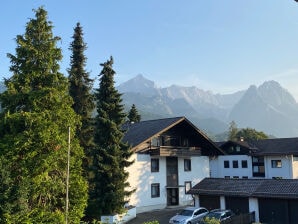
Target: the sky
(217, 45)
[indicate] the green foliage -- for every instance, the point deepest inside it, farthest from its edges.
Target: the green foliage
(251, 134)
(151, 222)
(110, 157)
(247, 134)
(80, 86)
(33, 134)
(208, 220)
(133, 114)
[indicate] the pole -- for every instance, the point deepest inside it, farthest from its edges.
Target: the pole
(67, 177)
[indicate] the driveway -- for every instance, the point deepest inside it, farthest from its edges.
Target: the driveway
(162, 216)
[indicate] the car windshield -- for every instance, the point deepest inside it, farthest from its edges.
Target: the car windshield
(186, 212)
(213, 215)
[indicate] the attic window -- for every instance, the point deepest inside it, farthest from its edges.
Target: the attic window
(237, 148)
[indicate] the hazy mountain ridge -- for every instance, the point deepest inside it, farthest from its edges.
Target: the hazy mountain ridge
(269, 107)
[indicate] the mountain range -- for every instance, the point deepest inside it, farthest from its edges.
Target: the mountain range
(269, 107)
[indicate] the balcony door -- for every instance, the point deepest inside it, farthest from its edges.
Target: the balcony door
(172, 181)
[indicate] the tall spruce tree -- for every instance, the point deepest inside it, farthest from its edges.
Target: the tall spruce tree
(80, 89)
(133, 114)
(111, 156)
(34, 133)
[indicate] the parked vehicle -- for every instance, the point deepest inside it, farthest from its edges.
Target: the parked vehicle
(189, 215)
(220, 215)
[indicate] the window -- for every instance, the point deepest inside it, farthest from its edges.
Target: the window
(187, 186)
(236, 177)
(244, 163)
(227, 177)
(245, 177)
(237, 148)
(154, 165)
(235, 163)
(295, 158)
(187, 165)
(258, 167)
(200, 211)
(155, 190)
(276, 163)
(226, 164)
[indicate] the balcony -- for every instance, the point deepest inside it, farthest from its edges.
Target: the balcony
(176, 151)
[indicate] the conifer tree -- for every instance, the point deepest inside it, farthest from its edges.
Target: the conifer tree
(233, 130)
(111, 156)
(34, 133)
(133, 114)
(80, 90)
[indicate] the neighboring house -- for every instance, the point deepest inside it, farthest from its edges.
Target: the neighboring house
(274, 201)
(269, 158)
(254, 176)
(171, 155)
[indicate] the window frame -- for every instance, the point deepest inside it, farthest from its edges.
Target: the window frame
(187, 186)
(155, 190)
(244, 164)
(276, 163)
(187, 165)
(154, 169)
(235, 164)
(226, 164)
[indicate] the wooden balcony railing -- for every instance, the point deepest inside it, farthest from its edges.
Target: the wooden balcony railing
(175, 151)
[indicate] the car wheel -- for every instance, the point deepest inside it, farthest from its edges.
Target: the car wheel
(188, 223)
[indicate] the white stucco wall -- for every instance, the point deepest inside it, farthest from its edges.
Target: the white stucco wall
(218, 170)
(141, 178)
(285, 171)
(199, 170)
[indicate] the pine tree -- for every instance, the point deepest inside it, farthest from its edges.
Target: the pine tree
(80, 90)
(34, 133)
(133, 114)
(111, 156)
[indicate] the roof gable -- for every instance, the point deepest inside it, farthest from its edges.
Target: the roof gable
(138, 133)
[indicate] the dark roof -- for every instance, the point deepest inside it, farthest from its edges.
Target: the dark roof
(136, 133)
(276, 146)
(266, 188)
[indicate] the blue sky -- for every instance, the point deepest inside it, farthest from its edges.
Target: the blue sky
(217, 45)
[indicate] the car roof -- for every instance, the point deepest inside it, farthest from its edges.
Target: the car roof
(193, 208)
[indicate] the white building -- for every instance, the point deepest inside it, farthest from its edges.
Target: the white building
(171, 155)
(177, 164)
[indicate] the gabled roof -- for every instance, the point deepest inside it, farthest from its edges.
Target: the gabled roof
(276, 146)
(268, 188)
(138, 133)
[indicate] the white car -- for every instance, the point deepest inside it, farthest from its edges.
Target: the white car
(189, 215)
